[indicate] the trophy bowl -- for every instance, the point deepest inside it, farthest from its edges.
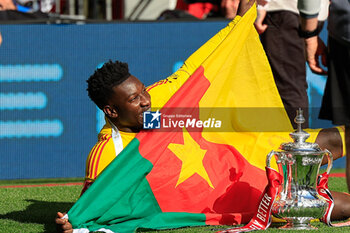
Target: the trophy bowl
(298, 162)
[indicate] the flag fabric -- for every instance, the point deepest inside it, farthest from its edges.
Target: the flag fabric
(189, 177)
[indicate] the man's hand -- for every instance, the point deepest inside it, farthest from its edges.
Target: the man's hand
(315, 49)
(229, 8)
(7, 5)
(259, 26)
(262, 2)
(63, 225)
(244, 6)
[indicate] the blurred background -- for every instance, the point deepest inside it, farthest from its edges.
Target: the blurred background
(49, 48)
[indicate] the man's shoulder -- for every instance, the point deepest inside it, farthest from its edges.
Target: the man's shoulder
(105, 132)
(104, 140)
(103, 146)
(104, 137)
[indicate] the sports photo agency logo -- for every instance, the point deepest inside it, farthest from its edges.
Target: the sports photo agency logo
(151, 120)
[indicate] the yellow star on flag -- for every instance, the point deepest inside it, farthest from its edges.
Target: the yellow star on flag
(191, 156)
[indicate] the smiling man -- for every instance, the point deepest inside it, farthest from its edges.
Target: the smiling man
(124, 106)
(123, 98)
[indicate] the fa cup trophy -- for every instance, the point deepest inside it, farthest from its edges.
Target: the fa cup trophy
(298, 162)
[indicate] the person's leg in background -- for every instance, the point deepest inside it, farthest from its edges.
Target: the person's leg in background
(285, 51)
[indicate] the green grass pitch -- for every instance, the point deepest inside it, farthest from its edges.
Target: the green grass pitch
(33, 209)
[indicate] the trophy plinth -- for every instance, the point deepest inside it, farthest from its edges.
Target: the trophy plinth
(298, 162)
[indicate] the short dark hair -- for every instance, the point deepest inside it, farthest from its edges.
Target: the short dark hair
(101, 83)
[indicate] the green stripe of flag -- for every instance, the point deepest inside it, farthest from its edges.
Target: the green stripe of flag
(122, 200)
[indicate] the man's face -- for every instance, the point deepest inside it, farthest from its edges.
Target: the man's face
(130, 100)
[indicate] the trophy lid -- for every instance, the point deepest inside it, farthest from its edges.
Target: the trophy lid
(299, 136)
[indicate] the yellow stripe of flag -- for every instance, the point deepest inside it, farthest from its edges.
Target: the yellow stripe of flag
(244, 95)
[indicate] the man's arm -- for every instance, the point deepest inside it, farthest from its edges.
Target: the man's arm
(259, 26)
(338, 143)
(331, 140)
(244, 6)
(314, 46)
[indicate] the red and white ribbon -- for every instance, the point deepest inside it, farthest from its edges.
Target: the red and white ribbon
(322, 189)
(262, 218)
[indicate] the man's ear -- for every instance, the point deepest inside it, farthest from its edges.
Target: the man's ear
(110, 112)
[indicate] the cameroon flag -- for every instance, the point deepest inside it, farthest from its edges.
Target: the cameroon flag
(176, 178)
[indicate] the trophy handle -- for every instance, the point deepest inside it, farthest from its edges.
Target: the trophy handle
(330, 161)
(269, 156)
